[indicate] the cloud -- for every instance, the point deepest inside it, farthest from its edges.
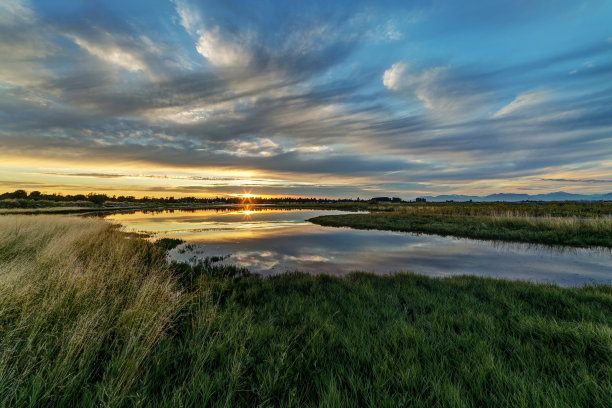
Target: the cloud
(16, 12)
(430, 88)
(577, 180)
(189, 17)
(112, 54)
(258, 147)
(23, 47)
(393, 78)
(440, 89)
(211, 44)
(221, 52)
(522, 101)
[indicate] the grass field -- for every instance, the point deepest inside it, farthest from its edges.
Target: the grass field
(92, 317)
(574, 224)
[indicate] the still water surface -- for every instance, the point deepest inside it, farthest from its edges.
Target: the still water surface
(272, 241)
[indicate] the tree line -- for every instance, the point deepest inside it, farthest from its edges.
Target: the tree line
(99, 199)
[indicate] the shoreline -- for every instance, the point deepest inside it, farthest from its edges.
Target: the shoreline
(579, 233)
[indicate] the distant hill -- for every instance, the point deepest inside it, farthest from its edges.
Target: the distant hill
(556, 196)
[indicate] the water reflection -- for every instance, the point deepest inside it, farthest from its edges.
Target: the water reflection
(271, 241)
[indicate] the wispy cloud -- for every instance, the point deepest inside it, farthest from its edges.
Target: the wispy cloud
(112, 53)
(211, 43)
(440, 89)
(522, 101)
(579, 180)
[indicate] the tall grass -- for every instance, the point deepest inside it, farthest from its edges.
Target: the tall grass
(90, 316)
(81, 307)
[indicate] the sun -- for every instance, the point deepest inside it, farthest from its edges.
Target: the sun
(246, 195)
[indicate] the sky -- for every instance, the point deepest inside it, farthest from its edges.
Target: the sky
(311, 98)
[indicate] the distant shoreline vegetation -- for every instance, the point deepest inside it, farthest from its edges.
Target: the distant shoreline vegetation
(36, 199)
(23, 199)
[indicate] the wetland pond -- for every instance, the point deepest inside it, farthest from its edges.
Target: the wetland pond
(271, 241)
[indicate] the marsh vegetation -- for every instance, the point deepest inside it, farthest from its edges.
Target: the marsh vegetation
(91, 316)
(573, 224)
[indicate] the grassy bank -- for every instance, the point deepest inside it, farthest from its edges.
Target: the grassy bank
(503, 209)
(89, 316)
(579, 232)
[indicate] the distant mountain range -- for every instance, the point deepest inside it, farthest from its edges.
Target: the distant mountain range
(556, 196)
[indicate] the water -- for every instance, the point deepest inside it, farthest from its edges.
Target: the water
(272, 241)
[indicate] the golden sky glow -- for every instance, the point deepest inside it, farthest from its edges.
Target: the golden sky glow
(140, 181)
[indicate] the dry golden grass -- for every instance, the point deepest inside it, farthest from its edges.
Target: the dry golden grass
(47, 210)
(74, 292)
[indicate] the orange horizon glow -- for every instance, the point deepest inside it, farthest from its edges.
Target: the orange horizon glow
(146, 180)
(246, 195)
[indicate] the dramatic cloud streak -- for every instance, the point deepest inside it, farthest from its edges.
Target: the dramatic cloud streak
(323, 98)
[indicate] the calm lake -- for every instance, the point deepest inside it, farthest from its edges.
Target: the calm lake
(270, 241)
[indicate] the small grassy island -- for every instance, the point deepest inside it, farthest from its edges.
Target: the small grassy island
(92, 316)
(559, 223)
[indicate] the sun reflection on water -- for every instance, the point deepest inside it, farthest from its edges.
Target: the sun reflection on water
(271, 240)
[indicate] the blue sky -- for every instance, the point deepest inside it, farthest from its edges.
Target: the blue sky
(334, 99)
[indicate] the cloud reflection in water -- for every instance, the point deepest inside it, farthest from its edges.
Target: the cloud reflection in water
(270, 242)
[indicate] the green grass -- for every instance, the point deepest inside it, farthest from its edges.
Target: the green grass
(572, 209)
(168, 243)
(92, 317)
(545, 230)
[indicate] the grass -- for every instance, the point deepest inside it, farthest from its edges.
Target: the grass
(570, 209)
(81, 308)
(168, 243)
(489, 221)
(90, 316)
